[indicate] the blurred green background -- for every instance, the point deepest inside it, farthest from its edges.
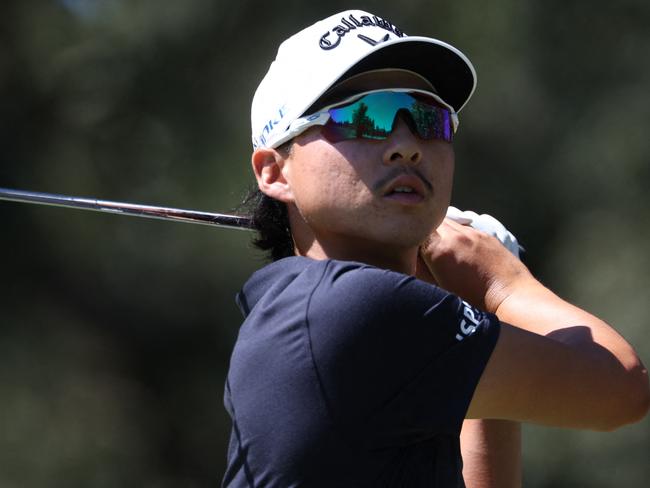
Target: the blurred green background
(115, 332)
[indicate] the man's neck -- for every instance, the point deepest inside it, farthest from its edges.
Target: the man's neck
(351, 249)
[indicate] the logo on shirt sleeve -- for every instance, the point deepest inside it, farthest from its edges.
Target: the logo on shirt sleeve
(471, 318)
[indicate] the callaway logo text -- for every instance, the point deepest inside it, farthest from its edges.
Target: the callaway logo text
(352, 23)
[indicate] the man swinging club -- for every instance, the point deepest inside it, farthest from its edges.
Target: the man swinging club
(381, 325)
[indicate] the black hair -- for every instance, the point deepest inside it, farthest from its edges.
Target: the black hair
(270, 219)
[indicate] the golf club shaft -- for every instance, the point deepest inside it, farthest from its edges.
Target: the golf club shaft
(122, 208)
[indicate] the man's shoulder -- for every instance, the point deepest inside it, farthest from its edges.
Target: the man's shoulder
(284, 279)
(365, 293)
(338, 277)
(327, 279)
(291, 268)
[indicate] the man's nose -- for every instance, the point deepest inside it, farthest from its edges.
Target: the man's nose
(403, 145)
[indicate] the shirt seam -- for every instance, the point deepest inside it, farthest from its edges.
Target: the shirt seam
(321, 387)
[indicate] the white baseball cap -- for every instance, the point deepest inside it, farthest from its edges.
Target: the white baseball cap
(348, 43)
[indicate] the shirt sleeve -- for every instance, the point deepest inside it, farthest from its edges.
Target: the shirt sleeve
(398, 359)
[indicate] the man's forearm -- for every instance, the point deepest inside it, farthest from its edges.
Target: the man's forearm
(613, 360)
(491, 452)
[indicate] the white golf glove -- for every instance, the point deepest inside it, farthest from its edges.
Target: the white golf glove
(488, 224)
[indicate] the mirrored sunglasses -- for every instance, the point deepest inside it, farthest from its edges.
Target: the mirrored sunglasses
(372, 115)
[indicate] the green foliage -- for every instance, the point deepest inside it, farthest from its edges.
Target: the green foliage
(116, 333)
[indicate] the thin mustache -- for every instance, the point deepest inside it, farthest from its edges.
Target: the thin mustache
(399, 172)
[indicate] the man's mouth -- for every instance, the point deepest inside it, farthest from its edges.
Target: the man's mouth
(406, 189)
(403, 189)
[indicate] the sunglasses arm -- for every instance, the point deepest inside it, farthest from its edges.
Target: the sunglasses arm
(300, 125)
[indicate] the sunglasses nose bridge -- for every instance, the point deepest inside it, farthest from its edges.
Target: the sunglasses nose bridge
(403, 143)
(406, 117)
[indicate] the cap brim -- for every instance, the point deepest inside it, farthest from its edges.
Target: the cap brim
(444, 66)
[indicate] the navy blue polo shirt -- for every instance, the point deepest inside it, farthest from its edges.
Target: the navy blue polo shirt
(347, 375)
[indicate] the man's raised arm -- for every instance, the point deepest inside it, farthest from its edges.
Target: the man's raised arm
(555, 364)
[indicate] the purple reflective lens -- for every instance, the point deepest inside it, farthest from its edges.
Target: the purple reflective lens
(373, 117)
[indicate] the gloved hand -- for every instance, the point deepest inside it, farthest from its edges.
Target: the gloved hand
(487, 224)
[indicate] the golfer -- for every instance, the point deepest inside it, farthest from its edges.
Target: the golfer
(381, 325)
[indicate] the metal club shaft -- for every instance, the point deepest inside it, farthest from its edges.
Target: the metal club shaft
(122, 208)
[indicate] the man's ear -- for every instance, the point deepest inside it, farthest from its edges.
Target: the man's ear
(268, 165)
